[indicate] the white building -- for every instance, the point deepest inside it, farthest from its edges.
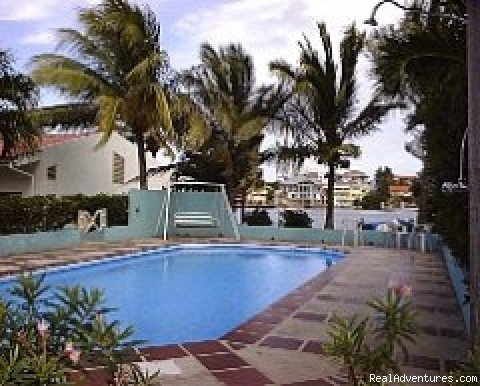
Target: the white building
(67, 164)
(310, 189)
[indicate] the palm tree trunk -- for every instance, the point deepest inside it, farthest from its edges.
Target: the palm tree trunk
(142, 161)
(330, 196)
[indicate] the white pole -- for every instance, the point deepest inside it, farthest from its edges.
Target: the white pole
(230, 213)
(167, 210)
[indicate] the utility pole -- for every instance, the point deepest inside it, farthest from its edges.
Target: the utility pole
(473, 53)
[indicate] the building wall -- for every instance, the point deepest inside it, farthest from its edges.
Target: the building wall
(81, 168)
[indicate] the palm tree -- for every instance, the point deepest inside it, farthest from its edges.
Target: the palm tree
(17, 97)
(234, 115)
(320, 118)
(114, 64)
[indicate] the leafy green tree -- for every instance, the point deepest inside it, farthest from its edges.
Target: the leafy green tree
(115, 66)
(320, 118)
(295, 219)
(235, 113)
(383, 181)
(17, 97)
(259, 217)
(422, 60)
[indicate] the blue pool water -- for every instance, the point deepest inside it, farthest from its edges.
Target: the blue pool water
(193, 293)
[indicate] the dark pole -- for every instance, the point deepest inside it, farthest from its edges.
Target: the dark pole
(473, 53)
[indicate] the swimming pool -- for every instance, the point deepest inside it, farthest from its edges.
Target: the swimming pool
(195, 292)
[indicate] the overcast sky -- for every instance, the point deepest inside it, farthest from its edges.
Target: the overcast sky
(268, 29)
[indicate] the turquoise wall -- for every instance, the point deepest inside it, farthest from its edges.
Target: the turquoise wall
(146, 212)
(22, 243)
(211, 202)
(457, 277)
(331, 237)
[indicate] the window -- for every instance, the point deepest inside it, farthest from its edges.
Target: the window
(52, 172)
(118, 169)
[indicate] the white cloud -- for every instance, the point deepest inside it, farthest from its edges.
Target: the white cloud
(270, 29)
(23, 10)
(20, 10)
(46, 37)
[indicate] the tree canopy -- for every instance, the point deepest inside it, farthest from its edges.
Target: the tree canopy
(234, 113)
(18, 96)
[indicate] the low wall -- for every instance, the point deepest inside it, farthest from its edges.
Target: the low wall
(457, 276)
(329, 237)
(146, 218)
(334, 237)
(22, 243)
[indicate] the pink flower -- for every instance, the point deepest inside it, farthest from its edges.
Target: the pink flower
(68, 347)
(71, 353)
(404, 291)
(43, 327)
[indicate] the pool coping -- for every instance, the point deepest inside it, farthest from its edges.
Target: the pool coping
(131, 252)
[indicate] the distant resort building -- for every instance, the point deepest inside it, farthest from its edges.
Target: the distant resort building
(309, 189)
(401, 190)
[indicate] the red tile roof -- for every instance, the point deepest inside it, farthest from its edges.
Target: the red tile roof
(42, 142)
(399, 189)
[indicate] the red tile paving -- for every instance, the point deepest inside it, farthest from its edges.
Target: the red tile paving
(314, 347)
(282, 342)
(310, 316)
(424, 362)
(222, 361)
(207, 347)
(162, 353)
(242, 377)
(243, 337)
(97, 377)
(255, 327)
(316, 382)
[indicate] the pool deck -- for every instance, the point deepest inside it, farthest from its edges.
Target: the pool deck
(283, 345)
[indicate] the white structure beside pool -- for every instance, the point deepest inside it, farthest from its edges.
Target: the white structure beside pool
(67, 164)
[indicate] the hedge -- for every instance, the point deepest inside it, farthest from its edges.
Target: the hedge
(45, 213)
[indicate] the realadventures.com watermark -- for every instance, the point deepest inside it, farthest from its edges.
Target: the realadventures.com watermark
(396, 378)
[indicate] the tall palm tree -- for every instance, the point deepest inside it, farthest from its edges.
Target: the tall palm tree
(115, 63)
(17, 97)
(235, 113)
(321, 118)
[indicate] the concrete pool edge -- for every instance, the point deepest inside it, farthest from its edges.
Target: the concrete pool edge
(49, 262)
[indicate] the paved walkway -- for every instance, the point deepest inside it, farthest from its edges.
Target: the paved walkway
(283, 345)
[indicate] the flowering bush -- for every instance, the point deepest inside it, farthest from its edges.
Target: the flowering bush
(43, 338)
(374, 345)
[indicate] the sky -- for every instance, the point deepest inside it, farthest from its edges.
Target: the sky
(268, 29)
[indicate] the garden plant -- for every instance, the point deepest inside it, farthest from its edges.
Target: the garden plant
(51, 337)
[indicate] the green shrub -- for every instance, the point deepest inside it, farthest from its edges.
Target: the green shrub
(296, 219)
(367, 345)
(44, 337)
(258, 217)
(46, 213)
